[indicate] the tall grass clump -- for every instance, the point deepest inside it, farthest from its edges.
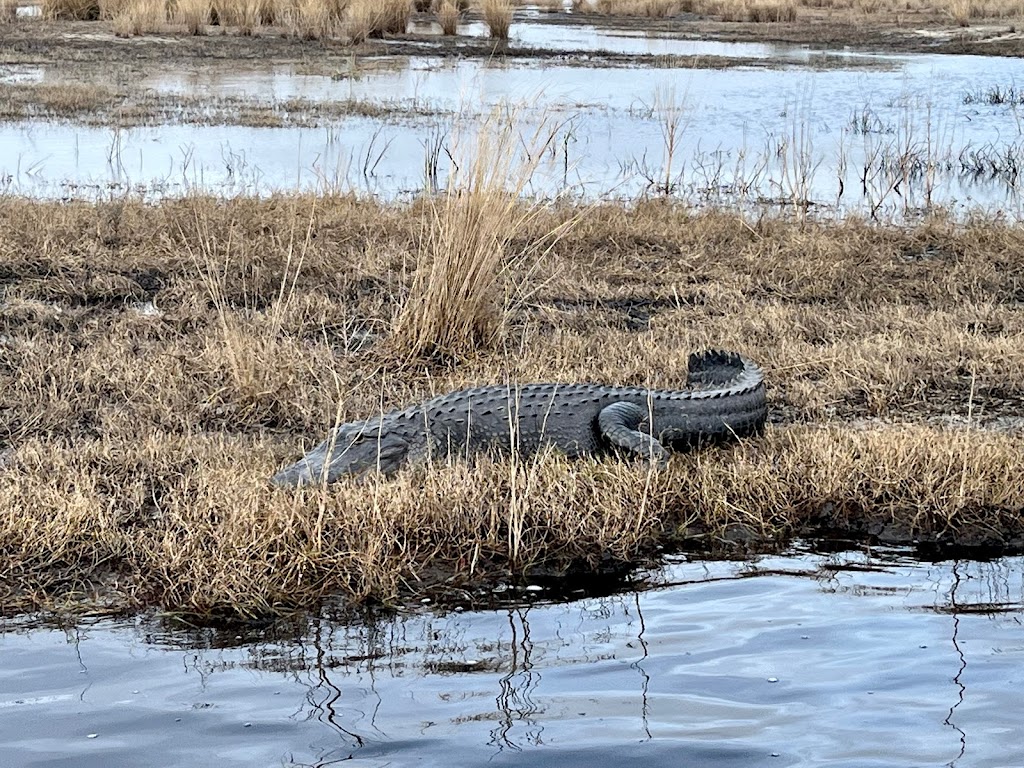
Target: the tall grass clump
(137, 17)
(193, 15)
(311, 19)
(71, 10)
(657, 9)
(961, 11)
(498, 17)
(459, 299)
(395, 15)
(376, 18)
(245, 15)
(771, 11)
(337, 8)
(448, 17)
(108, 9)
(751, 10)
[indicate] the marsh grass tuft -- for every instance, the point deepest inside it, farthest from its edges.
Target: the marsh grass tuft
(138, 17)
(498, 17)
(244, 15)
(377, 18)
(995, 96)
(460, 298)
(71, 10)
(651, 8)
(193, 15)
(448, 17)
(771, 10)
(311, 19)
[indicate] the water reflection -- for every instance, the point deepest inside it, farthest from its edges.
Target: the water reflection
(873, 141)
(958, 678)
(863, 656)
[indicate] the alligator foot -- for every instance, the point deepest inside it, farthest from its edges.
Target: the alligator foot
(619, 424)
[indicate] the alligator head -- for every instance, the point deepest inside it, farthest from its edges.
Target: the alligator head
(352, 449)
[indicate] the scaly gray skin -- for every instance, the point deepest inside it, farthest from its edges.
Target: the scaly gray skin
(727, 400)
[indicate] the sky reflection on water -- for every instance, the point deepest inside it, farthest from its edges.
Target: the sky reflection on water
(893, 138)
(807, 659)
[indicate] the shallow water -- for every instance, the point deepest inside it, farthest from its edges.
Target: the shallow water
(894, 137)
(852, 658)
(527, 32)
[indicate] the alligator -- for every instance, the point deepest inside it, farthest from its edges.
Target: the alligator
(725, 398)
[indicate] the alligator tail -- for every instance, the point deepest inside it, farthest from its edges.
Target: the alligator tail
(728, 398)
(720, 369)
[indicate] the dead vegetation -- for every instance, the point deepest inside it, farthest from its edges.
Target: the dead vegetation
(788, 10)
(460, 296)
(158, 363)
(448, 17)
(498, 17)
(356, 21)
(126, 107)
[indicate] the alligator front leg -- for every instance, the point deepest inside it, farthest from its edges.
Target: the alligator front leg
(619, 424)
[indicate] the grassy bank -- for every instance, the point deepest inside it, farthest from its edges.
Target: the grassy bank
(157, 363)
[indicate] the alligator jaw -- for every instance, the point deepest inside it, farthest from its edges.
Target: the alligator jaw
(353, 449)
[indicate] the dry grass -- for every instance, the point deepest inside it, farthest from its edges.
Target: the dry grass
(961, 11)
(657, 9)
(377, 18)
(139, 17)
(460, 295)
(312, 19)
(65, 100)
(108, 9)
(8, 11)
(362, 19)
(194, 527)
(71, 10)
(244, 15)
(448, 17)
(498, 17)
(771, 10)
(758, 11)
(193, 15)
(159, 362)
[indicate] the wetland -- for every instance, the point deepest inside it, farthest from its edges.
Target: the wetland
(213, 247)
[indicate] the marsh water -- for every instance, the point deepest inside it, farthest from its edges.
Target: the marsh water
(851, 657)
(753, 124)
